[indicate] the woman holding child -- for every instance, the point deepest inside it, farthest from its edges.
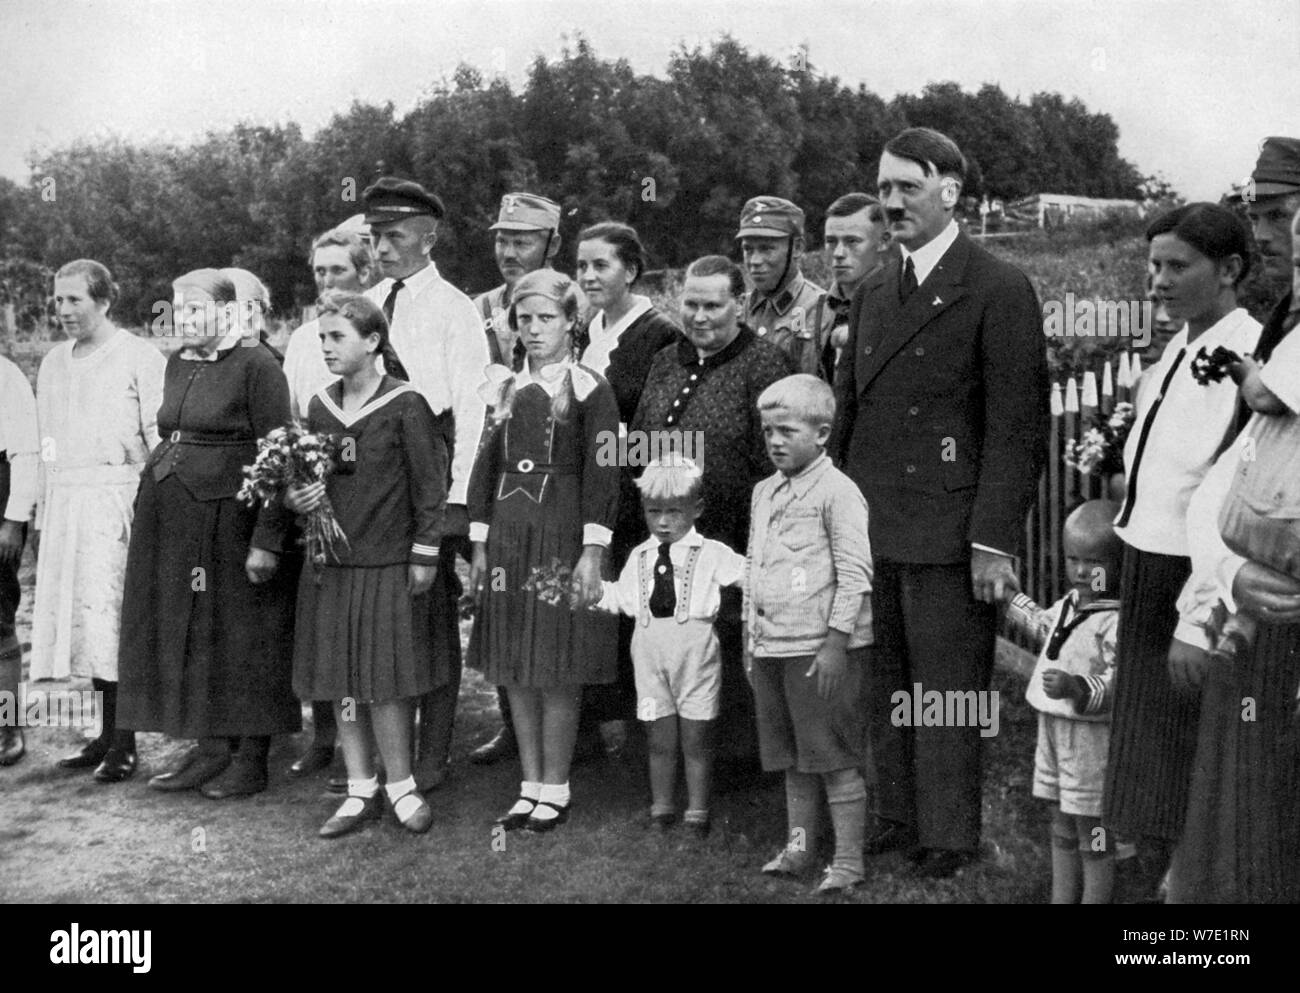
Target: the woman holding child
(539, 495)
(1198, 255)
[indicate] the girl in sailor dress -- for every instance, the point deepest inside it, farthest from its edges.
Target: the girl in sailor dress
(362, 637)
(540, 493)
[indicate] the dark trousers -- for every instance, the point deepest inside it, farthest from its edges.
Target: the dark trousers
(438, 706)
(10, 593)
(929, 630)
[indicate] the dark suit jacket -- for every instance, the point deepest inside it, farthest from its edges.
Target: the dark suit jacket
(943, 406)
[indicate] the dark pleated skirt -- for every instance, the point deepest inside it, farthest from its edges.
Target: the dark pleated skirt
(203, 652)
(518, 640)
(1242, 839)
(361, 635)
(1153, 728)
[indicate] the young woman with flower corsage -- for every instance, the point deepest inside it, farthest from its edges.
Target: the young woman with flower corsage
(540, 493)
(362, 637)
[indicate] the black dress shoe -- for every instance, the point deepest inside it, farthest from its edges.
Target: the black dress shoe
(941, 863)
(243, 777)
(503, 746)
(538, 825)
(890, 837)
(118, 764)
(92, 753)
(12, 745)
(341, 824)
(313, 760)
(193, 771)
(513, 822)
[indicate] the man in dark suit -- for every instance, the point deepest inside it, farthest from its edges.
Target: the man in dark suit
(943, 399)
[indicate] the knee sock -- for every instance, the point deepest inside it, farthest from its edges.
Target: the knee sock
(1098, 876)
(529, 794)
(1066, 868)
(553, 794)
(803, 812)
(846, 795)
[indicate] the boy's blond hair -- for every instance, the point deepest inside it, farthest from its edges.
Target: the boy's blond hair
(803, 396)
(672, 477)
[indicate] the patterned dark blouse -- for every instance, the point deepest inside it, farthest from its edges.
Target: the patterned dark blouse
(718, 397)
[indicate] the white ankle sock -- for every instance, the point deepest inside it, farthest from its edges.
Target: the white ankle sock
(363, 788)
(529, 794)
(400, 788)
(557, 795)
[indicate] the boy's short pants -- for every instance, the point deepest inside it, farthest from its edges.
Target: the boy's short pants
(1070, 763)
(677, 669)
(799, 730)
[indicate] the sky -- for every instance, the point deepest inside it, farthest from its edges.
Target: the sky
(1194, 85)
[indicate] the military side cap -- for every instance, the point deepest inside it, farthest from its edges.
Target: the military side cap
(1277, 170)
(527, 212)
(770, 217)
(392, 199)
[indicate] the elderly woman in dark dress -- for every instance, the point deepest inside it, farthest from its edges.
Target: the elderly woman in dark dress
(207, 619)
(708, 381)
(624, 334)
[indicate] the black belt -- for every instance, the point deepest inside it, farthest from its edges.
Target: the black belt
(205, 438)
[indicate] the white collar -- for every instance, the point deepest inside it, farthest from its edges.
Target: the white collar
(553, 375)
(350, 417)
(691, 539)
(1220, 332)
(928, 255)
(597, 328)
(416, 283)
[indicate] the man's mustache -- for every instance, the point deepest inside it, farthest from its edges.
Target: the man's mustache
(894, 216)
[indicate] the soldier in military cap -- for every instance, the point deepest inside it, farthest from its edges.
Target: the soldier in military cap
(527, 238)
(438, 338)
(782, 306)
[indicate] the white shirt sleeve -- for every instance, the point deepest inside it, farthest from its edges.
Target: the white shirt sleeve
(1214, 565)
(150, 375)
(21, 438)
(467, 356)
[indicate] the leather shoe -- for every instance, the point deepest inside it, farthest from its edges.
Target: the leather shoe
(890, 837)
(538, 825)
(503, 746)
(194, 770)
(941, 863)
(313, 760)
(513, 822)
(242, 777)
(92, 753)
(12, 745)
(341, 823)
(419, 819)
(118, 764)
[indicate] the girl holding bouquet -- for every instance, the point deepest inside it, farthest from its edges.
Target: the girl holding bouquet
(363, 637)
(207, 614)
(539, 493)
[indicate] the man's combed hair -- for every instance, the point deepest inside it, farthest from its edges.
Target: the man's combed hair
(931, 150)
(804, 396)
(672, 477)
(851, 203)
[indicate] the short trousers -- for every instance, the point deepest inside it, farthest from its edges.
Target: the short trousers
(799, 730)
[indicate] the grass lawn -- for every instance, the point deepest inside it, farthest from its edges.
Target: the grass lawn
(64, 837)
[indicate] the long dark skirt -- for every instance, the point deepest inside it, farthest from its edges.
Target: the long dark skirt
(204, 652)
(1153, 727)
(519, 640)
(1242, 839)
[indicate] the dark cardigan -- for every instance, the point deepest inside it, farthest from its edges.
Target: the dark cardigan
(629, 362)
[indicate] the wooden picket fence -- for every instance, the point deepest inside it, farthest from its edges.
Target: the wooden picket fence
(1075, 402)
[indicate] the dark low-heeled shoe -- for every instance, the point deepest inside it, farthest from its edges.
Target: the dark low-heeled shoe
(941, 863)
(420, 819)
(431, 775)
(193, 771)
(513, 822)
(243, 777)
(537, 825)
(12, 745)
(118, 764)
(313, 760)
(92, 753)
(341, 824)
(891, 836)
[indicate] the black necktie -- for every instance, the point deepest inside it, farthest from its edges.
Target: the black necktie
(392, 299)
(1130, 493)
(909, 280)
(663, 598)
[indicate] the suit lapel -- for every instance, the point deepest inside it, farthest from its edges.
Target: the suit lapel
(892, 324)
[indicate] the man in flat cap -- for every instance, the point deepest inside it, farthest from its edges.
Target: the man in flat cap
(782, 307)
(438, 338)
(526, 238)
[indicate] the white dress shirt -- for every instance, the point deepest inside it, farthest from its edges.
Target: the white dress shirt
(304, 367)
(438, 336)
(1190, 426)
(925, 258)
(603, 340)
(19, 440)
(717, 566)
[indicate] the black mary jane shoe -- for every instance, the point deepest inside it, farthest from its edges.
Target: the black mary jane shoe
(12, 745)
(118, 764)
(341, 824)
(513, 822)
(536, 825)
(92, 753)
